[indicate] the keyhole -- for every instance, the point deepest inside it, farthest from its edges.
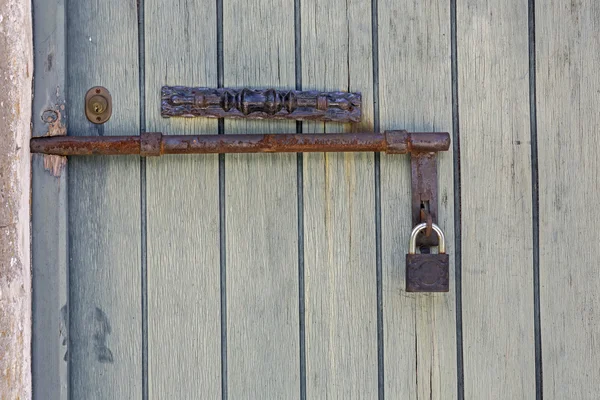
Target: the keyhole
(98, 109)
(98, 104)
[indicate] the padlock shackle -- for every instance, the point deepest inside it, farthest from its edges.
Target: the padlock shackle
(412, 244)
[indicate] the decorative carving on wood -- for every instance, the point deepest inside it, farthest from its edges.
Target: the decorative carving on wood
(180, 101)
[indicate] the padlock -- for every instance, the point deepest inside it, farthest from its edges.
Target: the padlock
(427, 272)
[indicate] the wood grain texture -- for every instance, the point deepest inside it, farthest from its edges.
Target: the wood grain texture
(414, 85)
(261, 212)
(104, 208)
(184, 317)
(568, 99)
(50, 368)
(497, 266)
(339, 204)
(49, 214)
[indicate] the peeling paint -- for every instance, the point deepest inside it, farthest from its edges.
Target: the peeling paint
(53, 117)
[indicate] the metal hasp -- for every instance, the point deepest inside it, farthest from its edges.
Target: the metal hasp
(423, 147)
(180, 101)
(424, 196)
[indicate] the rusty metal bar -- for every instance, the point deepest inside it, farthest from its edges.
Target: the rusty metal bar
(157, 144)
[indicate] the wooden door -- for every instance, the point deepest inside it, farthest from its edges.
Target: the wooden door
(281, 276)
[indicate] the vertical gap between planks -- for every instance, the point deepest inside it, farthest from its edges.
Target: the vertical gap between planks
(539, 394)
(377, 175)
(222, 237)
(300, 189)
(460, 384)
(143, 199)
(301, 296)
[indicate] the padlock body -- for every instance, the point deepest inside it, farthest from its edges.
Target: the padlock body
(427, 273)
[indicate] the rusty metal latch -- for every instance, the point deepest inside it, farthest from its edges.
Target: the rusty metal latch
(275, 104)
(157, 144)
(423, 147)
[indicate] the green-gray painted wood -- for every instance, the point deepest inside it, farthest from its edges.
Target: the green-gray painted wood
(261, 213)
(184, 321)
(261, 206)
(104, 207)
(50, 283)
(568, 100)
(415, 94)
(496, 200)
(339, 205)
(49, 211)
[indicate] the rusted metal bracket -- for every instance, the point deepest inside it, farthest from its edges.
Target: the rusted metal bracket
(424, 195)
(181, 101)
(423, 147)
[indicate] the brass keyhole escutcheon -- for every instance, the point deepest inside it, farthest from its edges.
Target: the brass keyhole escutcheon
(98, 105)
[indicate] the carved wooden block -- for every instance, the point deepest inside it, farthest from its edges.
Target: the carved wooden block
(180, 101)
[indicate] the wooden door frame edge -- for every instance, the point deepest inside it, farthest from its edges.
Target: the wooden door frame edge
(49, 217)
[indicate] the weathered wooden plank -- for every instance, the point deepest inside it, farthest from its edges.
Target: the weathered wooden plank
(261, 212)
(50, 369)
(414, 91)
(49, 218)
(568, 87)
(497, 266)
(339, 206)
(184, 329)
(104, 208)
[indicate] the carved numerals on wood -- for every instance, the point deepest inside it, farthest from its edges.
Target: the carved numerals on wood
(180, 101)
